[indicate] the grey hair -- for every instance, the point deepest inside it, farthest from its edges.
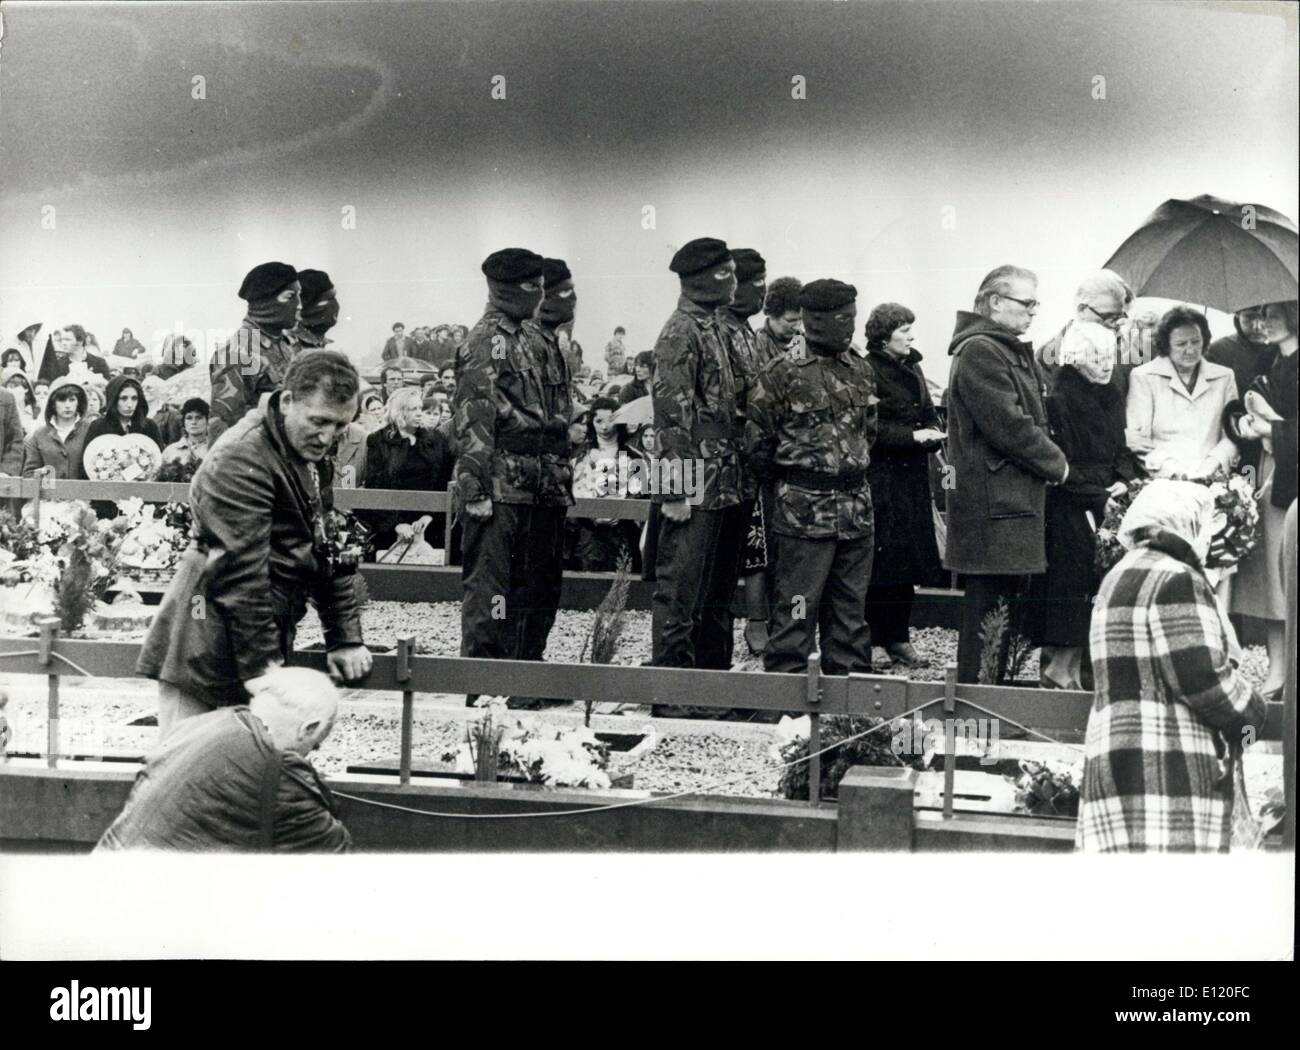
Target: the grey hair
(1103, 283)
(294, 695)
(998, 282)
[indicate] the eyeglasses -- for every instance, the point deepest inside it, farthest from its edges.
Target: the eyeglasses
(1028, 304)
(1106, 318)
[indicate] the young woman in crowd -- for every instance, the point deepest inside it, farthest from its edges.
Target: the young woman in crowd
(59, 442)
(410, 454)
(16, 382)
(642, 375)
(603, 470)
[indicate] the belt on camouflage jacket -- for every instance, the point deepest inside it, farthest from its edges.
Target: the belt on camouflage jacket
(818, 482)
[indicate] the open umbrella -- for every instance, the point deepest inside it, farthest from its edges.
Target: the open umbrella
(1213, 252)
(637, 413)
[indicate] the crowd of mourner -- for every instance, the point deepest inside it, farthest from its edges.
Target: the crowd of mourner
(795, 477)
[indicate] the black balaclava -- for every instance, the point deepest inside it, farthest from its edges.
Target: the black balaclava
(271, 315)
(515, 302)
(558, 304)
(320, 305)
(751, 282)
(705, 289)
(825, 334)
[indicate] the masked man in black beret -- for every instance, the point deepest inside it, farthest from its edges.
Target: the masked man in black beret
(504, 431)
(742, 530)
(698, 466)
(546, 554)
(254, 360)
(812, 421)
(318, 309)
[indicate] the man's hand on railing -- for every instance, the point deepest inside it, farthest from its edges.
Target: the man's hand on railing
(349, 662)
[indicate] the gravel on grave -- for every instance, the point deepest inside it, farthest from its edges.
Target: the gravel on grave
(710, 757)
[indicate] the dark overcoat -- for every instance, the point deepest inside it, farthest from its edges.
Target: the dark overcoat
(1087, 423)
(1001, 454)
(906, 551)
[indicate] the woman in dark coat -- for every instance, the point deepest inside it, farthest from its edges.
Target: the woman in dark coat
(406, 454)
(908, 430)
(1086, 415)
(1263, 424)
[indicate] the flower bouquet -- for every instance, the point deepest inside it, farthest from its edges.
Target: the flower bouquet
(153, 543)
(1236, 519)
(1047, 789)
(114, 457)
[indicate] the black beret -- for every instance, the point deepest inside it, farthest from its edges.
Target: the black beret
(826, 294)
(512, 264)
(697, 255)
(749, 264)
(554, 271)
(315, 283)
(267, 280)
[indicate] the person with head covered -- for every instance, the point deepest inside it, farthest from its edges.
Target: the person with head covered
(695, 406)
(1086, 413)
(1171, 709)
(254, 360)
(239, 778)
(812, 422)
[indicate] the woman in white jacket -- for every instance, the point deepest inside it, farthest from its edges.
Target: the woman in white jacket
(1176, 402)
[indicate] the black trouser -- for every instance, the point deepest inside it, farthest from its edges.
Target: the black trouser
(511, 581)
(982, 593)
(821, 583)
(715, 636)
(889, 613)
(685, 580)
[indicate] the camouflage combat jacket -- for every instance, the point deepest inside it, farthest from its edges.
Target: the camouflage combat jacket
(246, 366)
(769, 349)
(812, 421)
(557, 466)
(743, 353)
(501, 421)
(695, 409)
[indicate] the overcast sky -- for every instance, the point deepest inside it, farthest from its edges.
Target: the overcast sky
(161, 202)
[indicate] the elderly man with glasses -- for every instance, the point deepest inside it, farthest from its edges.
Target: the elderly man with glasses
(1003, 459)
(1102, 298)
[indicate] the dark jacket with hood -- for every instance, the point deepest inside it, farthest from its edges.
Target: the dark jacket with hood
(906, 551)
(1000, 450)
(44, 448)
(109, 423)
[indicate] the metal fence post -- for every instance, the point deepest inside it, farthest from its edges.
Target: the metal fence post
(814, 730)
(405, 650)
(49, 626)
(949, 737)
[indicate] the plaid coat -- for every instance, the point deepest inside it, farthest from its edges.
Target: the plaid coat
(1169, 710)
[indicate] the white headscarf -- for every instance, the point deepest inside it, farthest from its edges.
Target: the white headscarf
(1180, 507)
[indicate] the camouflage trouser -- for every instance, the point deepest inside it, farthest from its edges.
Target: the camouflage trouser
(511, 581)
(821, 585)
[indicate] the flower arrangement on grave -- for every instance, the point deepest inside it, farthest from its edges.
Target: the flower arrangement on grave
(1236, 517)
(557, 756)
(63, 566)
(1047, 789)
(1003, 650)
(154, 538)
(607, 624)
(123, 461)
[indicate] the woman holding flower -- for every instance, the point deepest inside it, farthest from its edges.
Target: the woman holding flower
(1170, 708)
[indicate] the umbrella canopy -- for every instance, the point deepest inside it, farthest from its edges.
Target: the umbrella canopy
(1213, 252)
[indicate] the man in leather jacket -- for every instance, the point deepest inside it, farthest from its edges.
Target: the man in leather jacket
(262, 545)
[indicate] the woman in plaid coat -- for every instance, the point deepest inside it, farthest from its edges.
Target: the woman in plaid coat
(1170, 709)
